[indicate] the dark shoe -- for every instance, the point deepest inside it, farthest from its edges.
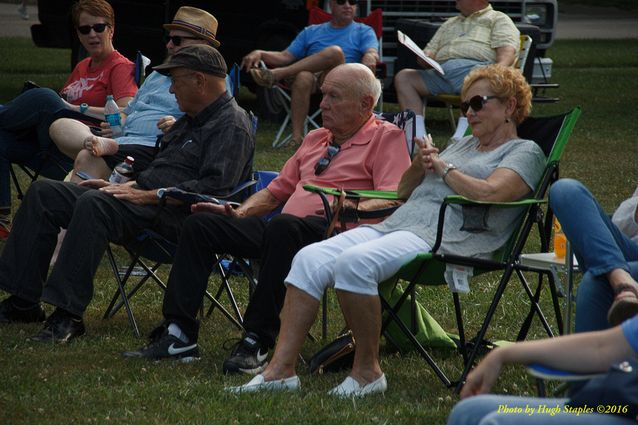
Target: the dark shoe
(60, 327)
(165, 346)
(9, 313)
(625, 307)
(248, 356)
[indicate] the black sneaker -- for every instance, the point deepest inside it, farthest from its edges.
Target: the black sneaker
(248, 356)
(60, 327)
(165, 346)
(9, 313)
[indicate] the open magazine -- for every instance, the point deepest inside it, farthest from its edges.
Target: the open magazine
(407, 42)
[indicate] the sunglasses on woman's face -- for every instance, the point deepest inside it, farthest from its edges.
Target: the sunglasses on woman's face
(98, 28)
(323, 163)
(177, 39)
(350, 2)
(476, 103)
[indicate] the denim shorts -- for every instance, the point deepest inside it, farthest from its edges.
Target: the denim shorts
(452, 81)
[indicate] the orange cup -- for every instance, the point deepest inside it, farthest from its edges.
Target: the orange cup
(560, 241)
(560, 245)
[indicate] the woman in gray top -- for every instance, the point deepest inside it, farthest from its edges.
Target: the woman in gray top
(492, 164)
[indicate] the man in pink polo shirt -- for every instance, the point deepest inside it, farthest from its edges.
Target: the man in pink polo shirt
(353, 150)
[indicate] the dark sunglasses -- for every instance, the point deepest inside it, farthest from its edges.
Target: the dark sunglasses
(476, 103)
(177, 39)
(98, 28)
(323, 163)
(350, 2)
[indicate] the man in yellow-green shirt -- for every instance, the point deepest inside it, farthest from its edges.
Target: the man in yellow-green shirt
(479, 36)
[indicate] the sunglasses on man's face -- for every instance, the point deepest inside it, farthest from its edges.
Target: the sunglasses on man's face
(177, 39)
(323, 163)
(98, 28)
(350, 2)
(476, 103)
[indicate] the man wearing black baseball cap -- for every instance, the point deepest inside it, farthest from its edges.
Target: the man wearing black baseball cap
(151, 112)
(208, 150)
(202, 64)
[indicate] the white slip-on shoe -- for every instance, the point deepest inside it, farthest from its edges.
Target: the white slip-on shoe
(258, 384)
(351, 388)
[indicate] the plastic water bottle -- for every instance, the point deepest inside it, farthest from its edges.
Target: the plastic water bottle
(123, 171)
(112, 116)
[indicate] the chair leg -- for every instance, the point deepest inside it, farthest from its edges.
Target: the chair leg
(279, 141)
(437, 370)
(120, 286)
(507, 274)
(535, 308)
(324, 316)
(393, 315)
(16, 183)
(150, 274)
(540, 386)
(459, 324)
(238, 322)
(452, 118)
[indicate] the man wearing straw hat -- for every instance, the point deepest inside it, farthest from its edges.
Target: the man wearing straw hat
(151, 112)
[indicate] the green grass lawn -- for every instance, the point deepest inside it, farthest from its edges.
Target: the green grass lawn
(88, 382)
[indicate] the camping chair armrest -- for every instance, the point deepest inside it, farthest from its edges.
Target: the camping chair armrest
(67, 113)
(351, 214)
(462, 200)
(354, 193)
(186, 197)
(193, 197)
(541, 371)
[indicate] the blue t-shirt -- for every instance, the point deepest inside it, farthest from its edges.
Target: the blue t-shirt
(354, 40)
(152, 102)
(630, 330)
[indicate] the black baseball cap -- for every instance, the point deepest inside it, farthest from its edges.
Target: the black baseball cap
(198, 57)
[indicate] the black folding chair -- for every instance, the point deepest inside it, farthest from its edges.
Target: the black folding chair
(151, 250)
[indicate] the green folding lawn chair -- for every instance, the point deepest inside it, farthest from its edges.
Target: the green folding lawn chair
(427, 268)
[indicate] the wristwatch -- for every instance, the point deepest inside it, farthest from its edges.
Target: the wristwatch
(83, 108)
(448, 167)
(160, 192)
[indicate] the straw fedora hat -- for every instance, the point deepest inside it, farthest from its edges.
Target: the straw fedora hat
(197, 22)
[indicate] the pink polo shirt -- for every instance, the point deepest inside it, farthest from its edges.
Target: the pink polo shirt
(374, 158)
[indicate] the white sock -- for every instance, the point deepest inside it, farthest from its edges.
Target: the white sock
(420, 126)
(176, 331)
(460, 128)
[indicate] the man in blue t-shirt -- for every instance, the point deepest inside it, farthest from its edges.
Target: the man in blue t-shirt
(314, 52)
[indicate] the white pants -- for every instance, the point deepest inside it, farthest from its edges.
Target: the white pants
(354, 261)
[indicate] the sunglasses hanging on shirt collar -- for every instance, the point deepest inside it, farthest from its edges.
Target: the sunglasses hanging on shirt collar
(322, 164)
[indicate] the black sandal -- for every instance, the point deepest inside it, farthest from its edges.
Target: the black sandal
(623, 308)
